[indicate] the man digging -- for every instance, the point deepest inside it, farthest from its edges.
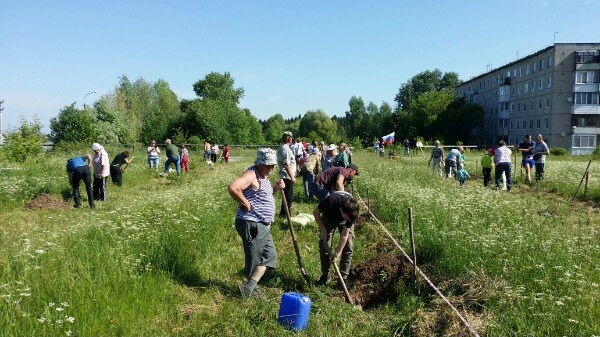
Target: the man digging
(337, 211)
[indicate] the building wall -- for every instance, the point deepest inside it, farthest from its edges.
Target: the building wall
(536, 90)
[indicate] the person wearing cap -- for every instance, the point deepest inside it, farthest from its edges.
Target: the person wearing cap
(153, 155)
(338, 211)
(172, 152)
(486, 166)
(101, 171)
(255, 213)
(526, 149)
(502, 156)
(437, 153)
(286, 160)
(332, 180)
(78, 169)
(310, 169)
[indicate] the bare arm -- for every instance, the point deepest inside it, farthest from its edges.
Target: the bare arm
(343, 240)
(339, 183)
(240, 184)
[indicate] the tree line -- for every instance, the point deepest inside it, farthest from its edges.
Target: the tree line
(137, 112)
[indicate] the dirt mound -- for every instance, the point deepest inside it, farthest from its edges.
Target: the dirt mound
(373, 281)
(47, 201)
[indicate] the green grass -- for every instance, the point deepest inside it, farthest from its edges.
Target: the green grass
(161, 256)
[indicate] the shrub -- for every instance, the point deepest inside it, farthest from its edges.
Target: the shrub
(596, 153)
(25, 143)
(558, 151)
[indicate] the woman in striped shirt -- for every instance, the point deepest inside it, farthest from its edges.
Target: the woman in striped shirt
(256, 211)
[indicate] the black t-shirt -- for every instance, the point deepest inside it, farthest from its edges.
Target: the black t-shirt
(119, 159)
(331, 207)
(527, 145)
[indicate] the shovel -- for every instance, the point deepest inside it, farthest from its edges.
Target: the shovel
(339, 275)
(289, 219)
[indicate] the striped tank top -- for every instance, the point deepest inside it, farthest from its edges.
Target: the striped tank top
(261, 200)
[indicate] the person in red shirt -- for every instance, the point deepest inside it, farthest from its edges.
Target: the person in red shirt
(226, 153)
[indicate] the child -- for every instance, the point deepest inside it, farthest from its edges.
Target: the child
(462, 175)
(185, 158)
(225, 154)
(486, 167)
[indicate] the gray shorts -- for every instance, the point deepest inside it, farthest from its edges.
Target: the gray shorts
(259, 249)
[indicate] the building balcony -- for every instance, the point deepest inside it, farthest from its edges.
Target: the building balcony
(503, 114)
(586, 130)
(586, 87)
(584, 109)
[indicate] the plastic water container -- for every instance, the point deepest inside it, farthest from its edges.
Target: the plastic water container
(294, 311)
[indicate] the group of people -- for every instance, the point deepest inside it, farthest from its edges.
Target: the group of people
(180, 158)
(78, 169)
(211, 152)
(499, 159)
(336, 210)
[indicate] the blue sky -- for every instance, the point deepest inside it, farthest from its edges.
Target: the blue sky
(289, 56)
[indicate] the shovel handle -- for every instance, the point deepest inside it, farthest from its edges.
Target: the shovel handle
(339, 275)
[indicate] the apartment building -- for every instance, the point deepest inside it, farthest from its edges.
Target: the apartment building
(554, 92)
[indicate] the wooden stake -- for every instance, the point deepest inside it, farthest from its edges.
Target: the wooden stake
(412, 242)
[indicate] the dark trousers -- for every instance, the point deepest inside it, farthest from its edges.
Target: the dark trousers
(487, 176)
(506, 168)
(289, 195)
(100, 188)
(539, 171)
(82, 173)
(325, 248)
(116, 175)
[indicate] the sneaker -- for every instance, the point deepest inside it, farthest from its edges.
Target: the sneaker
(323, 280)
(244, 291)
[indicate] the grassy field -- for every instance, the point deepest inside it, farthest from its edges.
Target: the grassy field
(161, 256)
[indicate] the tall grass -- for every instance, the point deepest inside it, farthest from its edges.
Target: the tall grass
(161, 256)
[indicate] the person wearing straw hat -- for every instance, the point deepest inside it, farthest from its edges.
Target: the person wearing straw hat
(255, 213)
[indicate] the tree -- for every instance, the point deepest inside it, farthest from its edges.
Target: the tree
(73, 125)
(317, 125)
(457, 121)
(425, 109)
(219, 87)
(356, 118)
(273, 129)
(429, 80)
(25, 143)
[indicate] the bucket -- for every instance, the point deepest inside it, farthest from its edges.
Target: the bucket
(294, 311)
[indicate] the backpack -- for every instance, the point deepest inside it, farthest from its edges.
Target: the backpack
(309, 164)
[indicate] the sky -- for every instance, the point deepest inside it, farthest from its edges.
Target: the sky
(290, 57)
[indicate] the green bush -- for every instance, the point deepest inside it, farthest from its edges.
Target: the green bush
(596, 153)
(559, 151)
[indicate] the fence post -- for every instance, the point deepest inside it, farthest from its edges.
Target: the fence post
(585, 188)
(412, 242)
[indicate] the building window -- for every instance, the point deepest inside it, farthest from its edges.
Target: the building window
(586, 98)
(531, 124)
(532, 86)
(547, 122)
(542, 64)
(524, 106)
(531, 105)
(547, 102)
(512, 107)
(539, 104)
(534, 67)
(538, 123)
(519, 89)
(586, 141)
(540, 84)
(520, 71)
(549, 61)
(524, 124)
(583, 121)
(588, 56)
(518, 107)
(549, 82)
(526, 88)
(517, 125)
(587, 76)
(527, 70)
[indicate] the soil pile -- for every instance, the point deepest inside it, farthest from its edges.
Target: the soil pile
(47, 201)
(373, 281)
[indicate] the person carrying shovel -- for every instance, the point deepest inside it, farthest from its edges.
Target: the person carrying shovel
(338, 211)
(255, 213)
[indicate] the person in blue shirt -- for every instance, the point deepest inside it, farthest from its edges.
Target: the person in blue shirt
(78, 169)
